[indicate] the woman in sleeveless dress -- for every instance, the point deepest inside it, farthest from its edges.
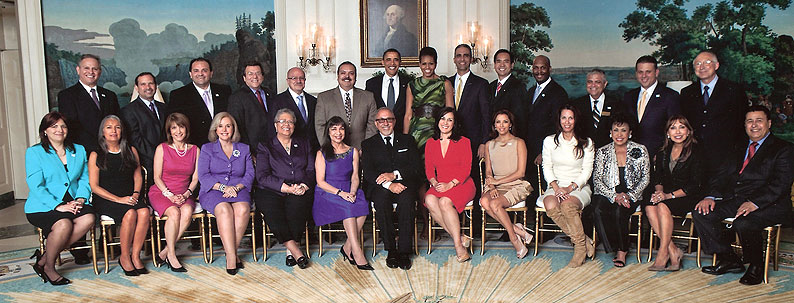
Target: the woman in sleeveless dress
(425, 96)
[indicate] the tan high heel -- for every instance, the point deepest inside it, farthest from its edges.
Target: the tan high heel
(527, 237)
(523, 252)
(466, 241)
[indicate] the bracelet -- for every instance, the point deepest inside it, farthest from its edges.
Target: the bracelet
(221, 187)
(338, 191)
(191, 191)
(672, 194)
(136, 192)
(167, 193)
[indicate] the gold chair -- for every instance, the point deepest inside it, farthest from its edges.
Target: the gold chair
(92, 246)
(467, 213)
(252, 234)
(684, 234)
(519, 208)
(376, 230)
(770, 249)
(267, 234)
(198, 214)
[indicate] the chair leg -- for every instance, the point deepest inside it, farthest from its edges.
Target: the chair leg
(416, 236)
(698, 253)
(767, 253)
(203, 235)
(538, 219)
(639, 238)
(253, 238)
(92, 236)
(306, 233)
(429, 234)
(152, 240)
(105, 246)
(374, 235)
(320, 241)
(265, 238)
(482, 235)
(209, 238)
(650, 246)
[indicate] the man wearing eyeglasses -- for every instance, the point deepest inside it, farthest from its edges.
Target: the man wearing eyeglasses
(715, 108)
(301, 103)
(252, 107)
(390, 164)
(356, 106)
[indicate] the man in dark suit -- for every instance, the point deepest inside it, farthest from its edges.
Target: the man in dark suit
(597, 108)
(301, 103)
(754, 188)
(253, 107)
(200, 101)
(85, 103)
(389, 88)
(509, 92)
(652, 103)
(144, 119)
(357, 107)
(714, 107)
(389, 161)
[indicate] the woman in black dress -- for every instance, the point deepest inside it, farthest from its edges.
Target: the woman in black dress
(114, 172)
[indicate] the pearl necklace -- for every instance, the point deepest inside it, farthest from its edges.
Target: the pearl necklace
(179, 153)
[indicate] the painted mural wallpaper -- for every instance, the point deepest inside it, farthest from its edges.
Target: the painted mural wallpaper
(160, 37)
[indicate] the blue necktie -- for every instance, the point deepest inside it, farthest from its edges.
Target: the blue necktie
(705, 95)
(302, 108)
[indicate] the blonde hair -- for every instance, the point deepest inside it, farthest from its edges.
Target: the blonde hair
(212, 136)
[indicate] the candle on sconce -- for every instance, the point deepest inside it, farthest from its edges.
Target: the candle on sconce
(460, 39)
(473, 31)
(313, 29)
(485, 45)
(300, 45)
(328, 46)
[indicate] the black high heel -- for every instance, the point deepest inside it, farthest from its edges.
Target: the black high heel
(174, 269)
(159, 261)
(346, 258)
(303, 262)
(38, 268)
(129, 273)
(61, 281)
(365, 267)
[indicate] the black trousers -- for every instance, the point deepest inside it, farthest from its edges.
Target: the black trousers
(285, 215)
(749, 228)
(612, 223)
(406, 205)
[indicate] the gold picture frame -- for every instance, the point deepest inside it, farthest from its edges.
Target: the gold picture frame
(382, 28)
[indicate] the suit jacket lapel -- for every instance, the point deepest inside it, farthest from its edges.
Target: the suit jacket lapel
(71, 161)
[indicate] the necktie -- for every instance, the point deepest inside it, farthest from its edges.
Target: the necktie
(538, 89)
(641, 106)
(706, 95)
(750, 154)
(388, 142)
(207, 102)
(154, 110)
(96, 100)
(498, 87)
(596, 114)
(259, 97)
(458, 92)
(390, 95)
(348, 108)
(302, 109)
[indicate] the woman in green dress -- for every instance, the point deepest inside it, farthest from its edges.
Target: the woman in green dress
(425, 96)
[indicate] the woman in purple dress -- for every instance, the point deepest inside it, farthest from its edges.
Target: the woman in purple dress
(226, 173)
(337, 196)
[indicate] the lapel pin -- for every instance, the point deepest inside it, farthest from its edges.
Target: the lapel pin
(217, 95)
(103, 95)
(657, 95)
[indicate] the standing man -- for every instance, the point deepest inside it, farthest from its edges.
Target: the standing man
(200, 100)
(389, 88)
(85, 103)
(509, 92)
(597, 108)
(253, 108)
(715, 108)
(356, 106)
(301, 103)
(389, 161)
(471, 103)
(144, 119)
(753, 188)
(651, 103)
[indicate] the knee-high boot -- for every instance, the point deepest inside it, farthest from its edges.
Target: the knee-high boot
(556, 215)
(573, 217)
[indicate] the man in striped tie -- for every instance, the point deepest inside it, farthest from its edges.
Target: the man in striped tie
(597, 108)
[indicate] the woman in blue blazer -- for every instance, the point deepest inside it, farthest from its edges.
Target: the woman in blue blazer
(57, 177)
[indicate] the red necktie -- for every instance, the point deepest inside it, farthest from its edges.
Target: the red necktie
(259, 97)
(750, 154)
(498, 87)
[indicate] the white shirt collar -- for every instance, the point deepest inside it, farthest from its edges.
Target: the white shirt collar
(343, 92)
(294, 94)
(543, 85)
(502, 81)
(600, 104)
(385, 87)
(383, 138)
(650, 90)
(201, 91)
(88, 88)
(711, 85)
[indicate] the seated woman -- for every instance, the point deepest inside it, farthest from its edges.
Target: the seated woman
(447, 167)
(337, 196)
(226, 171)
(622, 171)
(284, 174)
(57, 176)
(175, 179)
(567, 165)
(677, 180)
(505, 162)
(114, 172)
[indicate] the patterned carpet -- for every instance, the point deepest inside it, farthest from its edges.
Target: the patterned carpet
(495, 277)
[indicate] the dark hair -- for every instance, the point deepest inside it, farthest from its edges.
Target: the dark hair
(393, 50)
(688, 142)
(578, 132)
(144, 74)
(457, 129)
(464, 45)
(252, 63)
(339, 67)
(197, 60)
(621, 118)
(428, 51)
(759, 108)
(90, 56)
(504, 51)
(180, 120)
(128, 159)
(328, 148)
(647, 59)
(510, 117)
(49, 120)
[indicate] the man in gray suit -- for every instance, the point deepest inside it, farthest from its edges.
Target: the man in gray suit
(356, 106)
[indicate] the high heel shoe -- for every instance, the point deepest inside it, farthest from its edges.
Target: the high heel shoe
(129, 273)
(527, 237)
(60, 281)
(346, 258)
(232, 271)
(678, 266)
(589, 246)
(158, 261)
(523, 251)
(38, 268)
(466, 241)
(303, 262)
(464, 259)
(174, 269)
(365, 267)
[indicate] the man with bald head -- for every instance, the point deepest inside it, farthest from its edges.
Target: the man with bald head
(397, 37)
(354, 105)
(301, 103)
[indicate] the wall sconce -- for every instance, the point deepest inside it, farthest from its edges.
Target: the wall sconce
(315, 57)
(479, 44)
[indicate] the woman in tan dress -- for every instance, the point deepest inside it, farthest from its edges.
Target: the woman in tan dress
(505, 162)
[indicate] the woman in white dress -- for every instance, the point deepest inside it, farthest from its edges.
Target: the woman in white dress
(567, 166)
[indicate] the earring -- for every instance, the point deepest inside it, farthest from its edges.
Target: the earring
(511, 128)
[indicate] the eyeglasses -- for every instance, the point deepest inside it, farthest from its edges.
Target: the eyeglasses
(249, 74)
(384, 120)
(282, 121)
(706, 62)
(296, 78)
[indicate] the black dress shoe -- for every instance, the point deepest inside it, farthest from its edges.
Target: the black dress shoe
(723, 267)
(393, 260)
(60, 281)
(232, 271)
(240, 265)
(405, 261)
(345, 256)
(130, 273)
(142, 271)
(38, 268)
(174, 269)
(303, 262)
(291, 261)
(365, 267)
(753, 276)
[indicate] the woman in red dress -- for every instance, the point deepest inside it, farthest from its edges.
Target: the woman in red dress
(448, 167)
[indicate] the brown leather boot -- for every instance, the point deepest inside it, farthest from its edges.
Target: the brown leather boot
(573, 218)
(556, 215)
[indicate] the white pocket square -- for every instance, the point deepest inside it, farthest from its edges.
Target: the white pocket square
(402, 150)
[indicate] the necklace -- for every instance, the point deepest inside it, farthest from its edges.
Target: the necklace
(178, 152)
